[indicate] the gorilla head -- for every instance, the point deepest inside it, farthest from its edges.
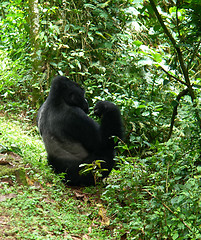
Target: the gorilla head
(63, 89)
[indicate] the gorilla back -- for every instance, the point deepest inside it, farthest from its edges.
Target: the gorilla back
(71, 137)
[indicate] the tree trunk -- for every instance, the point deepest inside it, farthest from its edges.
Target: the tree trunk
(35, 44)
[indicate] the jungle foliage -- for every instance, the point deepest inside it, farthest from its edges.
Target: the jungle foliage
(145, 57)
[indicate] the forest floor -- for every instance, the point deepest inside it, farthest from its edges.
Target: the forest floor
(35, 203)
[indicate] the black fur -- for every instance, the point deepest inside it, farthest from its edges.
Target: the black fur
(71, 137)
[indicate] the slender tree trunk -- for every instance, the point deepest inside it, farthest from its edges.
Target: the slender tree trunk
(35, 44)
(34, 31)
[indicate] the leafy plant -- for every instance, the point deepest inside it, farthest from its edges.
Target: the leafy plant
(94, 168)
(156, 197)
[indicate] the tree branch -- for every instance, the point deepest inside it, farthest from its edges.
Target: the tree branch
(162, 23)
(174, 43)
(170, 75)
(181, 61)
(174, 113)
(169, 209)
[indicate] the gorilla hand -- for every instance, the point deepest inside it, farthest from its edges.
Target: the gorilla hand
(103, 107)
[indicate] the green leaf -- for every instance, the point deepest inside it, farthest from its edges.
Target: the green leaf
(175, 235)
(100, 34)
(156, 56)
(138, 43)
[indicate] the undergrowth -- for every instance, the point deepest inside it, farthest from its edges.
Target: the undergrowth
(157, 197)
(45, 208)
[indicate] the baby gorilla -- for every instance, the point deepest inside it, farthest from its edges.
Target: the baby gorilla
(71, 137)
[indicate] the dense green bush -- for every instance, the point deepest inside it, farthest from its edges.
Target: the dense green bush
(158, 197)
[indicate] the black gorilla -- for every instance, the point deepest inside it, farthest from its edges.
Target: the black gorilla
(71, 137)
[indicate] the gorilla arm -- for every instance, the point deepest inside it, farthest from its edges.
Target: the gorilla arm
(73, 124)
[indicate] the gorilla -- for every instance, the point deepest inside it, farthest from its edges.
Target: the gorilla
(71, 137)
